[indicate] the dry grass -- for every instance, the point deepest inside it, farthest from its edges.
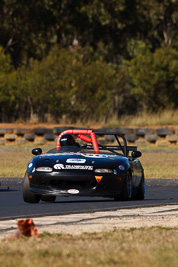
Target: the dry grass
(14, 163)
(166, 117)
(135, 247)
(161, 118)
(160, 164)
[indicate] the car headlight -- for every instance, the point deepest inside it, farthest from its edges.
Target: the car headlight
(121, 168)
(103, 171)
(44, 169)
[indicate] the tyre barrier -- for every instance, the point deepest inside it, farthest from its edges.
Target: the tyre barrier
(5, 131)
(10, 137)
(137, 136)
(142, 132)
(151, 138)
(20, 141)
(29, 137)
(131, 138)
(21, 132)
(39, 140)
(49, 136)
(2, 141)
(42, 131)
(172, 138)
(163, 132)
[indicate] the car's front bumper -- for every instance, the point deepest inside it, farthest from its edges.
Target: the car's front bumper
(79, 184)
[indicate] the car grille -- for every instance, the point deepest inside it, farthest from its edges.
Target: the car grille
(65, 185)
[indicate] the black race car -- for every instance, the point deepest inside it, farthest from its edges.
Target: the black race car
(86, 169)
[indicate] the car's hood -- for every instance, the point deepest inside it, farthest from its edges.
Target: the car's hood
(76, 161)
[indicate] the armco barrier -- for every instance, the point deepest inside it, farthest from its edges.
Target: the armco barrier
(137, 136)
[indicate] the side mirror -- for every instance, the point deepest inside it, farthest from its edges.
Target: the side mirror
(136, 154)
(37, 151)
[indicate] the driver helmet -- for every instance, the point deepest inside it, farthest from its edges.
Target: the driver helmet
(67, 140)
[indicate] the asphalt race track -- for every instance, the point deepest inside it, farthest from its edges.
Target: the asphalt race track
(158, 192)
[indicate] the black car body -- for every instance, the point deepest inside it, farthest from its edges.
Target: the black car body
(88, 169)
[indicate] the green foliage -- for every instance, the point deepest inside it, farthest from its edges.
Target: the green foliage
(26, 29)
(155, 78)
(158, 22)
(87, 59)
(30, 28)
(5, 62)
(7, 85)
(70, 83)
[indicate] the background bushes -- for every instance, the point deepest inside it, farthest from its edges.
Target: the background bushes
(87, 60)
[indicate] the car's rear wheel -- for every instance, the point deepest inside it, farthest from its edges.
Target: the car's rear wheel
(28, 196)
(48, 198)
(126, 193)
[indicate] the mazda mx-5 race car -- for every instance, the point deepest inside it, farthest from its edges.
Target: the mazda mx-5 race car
(85, 169)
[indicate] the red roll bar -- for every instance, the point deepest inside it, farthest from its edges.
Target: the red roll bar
(81, 134)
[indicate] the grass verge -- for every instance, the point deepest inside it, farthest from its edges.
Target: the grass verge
(144, 247)
(166, 117)
(162, 118)
(160, 165)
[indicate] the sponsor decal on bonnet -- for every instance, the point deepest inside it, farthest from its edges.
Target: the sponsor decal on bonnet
(96, 156)
(72, 167)
(76, 160)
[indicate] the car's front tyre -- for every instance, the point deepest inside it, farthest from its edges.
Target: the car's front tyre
(141, 189)
(126, 193)
(28, 196)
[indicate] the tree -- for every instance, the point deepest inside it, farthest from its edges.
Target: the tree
(30, 28)
(158, 22)
(70, 83)
(155, 78)
(26, 29)
(7, 86)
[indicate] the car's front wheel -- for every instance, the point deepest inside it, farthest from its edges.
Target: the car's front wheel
(29, 196)
(126, 193)
(141, 189)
